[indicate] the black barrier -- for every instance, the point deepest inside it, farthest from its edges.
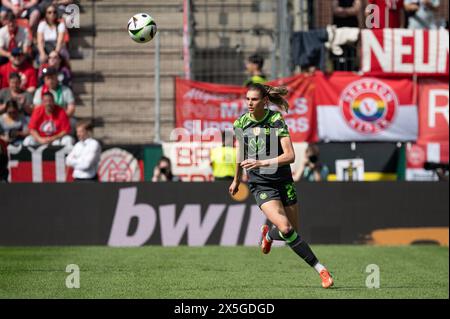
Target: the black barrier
(196, 214)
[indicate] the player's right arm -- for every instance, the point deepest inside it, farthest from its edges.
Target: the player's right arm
(234, 187)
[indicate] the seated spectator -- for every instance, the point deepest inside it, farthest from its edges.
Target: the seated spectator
(390, 14)
(23, 9)
(63, 95)
(85, 155)
(13, 124)
(254, 66)
(57, 62)
(49, 124)
(19, 64)
(12, 36)
(163, 171)
(311, 169)
(23, 98)
(50, 35)
(421, 13)
(59, 4)
(346, 14)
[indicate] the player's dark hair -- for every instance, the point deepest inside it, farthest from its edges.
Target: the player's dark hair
(256, 59)
(274, 93)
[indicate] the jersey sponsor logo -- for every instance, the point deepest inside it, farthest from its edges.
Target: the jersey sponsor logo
(117, 165)
(256, 146)
(368, 106)
(48, 128)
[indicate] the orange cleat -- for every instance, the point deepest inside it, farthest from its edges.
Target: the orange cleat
(327, 280)
(265, 244)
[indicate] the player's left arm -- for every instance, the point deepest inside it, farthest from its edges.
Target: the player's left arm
(288, 156)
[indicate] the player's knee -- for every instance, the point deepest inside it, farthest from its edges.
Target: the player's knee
(285, 228)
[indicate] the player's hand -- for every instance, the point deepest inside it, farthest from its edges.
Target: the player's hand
(234, 188)
(252, 163)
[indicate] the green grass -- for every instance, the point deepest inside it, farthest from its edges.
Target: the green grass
(221, 272)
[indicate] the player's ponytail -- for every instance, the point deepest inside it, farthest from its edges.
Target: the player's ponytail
(274, 93)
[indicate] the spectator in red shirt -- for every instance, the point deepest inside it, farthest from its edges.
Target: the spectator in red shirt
(20, 65)
(49, 124)
(388, 15)
(12, 36)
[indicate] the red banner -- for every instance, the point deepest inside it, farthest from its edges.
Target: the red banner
(405, 51)
(218, 106)
(433, 101)
(357, 108)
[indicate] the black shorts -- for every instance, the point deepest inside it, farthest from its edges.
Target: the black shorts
(285, 192)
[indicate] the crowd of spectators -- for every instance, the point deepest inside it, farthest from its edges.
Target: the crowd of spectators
(37, 105)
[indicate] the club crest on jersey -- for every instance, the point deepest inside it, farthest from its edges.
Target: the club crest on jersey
(368, 106)
(256, 131)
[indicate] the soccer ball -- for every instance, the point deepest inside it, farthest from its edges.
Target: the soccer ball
(141, 27)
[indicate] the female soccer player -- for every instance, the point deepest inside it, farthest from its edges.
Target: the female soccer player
(265, 151)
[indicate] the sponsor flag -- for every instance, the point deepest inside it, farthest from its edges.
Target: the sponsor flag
(356, 108)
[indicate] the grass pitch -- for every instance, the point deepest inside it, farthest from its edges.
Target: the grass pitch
(222, 272)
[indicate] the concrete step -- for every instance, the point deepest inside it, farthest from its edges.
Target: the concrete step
(241, 40)
(235, 5)
(133, 110)
(125, 85)
(120, 18)
(131, 132)
(133, 61)
(235, 19)
(136, 5)
(113, 37)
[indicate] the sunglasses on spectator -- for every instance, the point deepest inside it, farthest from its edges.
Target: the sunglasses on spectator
(51, 12)
(53, 57)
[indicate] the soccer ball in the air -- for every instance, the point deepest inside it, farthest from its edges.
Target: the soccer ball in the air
(141, 27)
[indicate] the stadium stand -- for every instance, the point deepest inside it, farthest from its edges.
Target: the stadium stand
(114, 79)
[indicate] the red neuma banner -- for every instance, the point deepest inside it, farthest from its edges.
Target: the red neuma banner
(405, 51)
(218, 106)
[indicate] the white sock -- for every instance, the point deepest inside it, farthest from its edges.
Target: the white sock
(319, 267)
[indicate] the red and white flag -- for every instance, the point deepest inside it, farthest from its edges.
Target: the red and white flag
(357, 108)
